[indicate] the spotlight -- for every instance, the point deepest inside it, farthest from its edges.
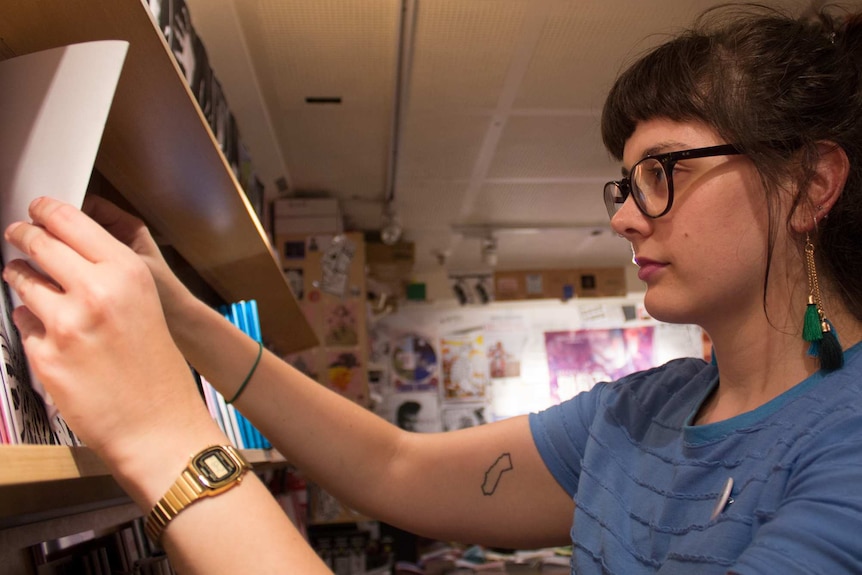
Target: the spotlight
(391, 231)
(489, 251)
(482, 291)
(460, 292)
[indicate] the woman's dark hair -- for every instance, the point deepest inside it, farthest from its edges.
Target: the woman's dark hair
(776, 86)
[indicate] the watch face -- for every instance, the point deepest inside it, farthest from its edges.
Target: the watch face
(215, 465)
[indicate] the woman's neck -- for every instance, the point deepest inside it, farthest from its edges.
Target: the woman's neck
(759, 361)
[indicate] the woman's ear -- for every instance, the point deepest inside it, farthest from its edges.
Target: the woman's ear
(830, 175)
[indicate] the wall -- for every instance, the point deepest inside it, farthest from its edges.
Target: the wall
(468, 364)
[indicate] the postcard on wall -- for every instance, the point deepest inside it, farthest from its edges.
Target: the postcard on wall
(342, 323)
(465, 366)
(335, 265)
(345, 373)
(505, 340)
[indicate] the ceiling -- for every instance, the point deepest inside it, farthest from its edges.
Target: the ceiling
(472, 116)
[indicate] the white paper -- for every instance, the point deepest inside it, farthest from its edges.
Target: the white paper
(53, 109)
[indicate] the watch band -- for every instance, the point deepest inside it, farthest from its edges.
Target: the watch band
(211, 471)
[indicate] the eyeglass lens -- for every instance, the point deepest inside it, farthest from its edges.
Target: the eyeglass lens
(647, 183)
(650, 186)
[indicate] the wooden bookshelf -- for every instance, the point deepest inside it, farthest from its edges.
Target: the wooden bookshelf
(159, 153)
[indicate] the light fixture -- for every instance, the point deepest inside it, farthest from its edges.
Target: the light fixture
(391, 231)
(489, 251)
(482, 292)
(472, 288)
(460, 291)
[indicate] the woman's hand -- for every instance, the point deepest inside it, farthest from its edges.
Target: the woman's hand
(133, 232)
(95, 335)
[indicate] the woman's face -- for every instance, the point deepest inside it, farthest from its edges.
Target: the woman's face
(705, 260)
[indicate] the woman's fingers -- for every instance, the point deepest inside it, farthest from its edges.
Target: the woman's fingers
(75, 229)
(29, 326)
(58, 261)
(64, 243)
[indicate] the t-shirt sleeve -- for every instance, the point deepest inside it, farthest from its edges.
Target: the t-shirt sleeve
(562, 431)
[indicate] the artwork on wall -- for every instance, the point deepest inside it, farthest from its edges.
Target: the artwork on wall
(581, 358)
(515, 358)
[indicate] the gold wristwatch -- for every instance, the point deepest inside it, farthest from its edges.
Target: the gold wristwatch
(212, 471)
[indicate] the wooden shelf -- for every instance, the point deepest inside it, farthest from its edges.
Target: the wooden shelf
(39, 479)
(24, 464)
(159, 152)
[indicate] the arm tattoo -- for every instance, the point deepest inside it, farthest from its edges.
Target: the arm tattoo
(492, 476)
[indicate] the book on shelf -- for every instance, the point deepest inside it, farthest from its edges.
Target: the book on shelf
(53, 116)
(25, 418)
(124, 549)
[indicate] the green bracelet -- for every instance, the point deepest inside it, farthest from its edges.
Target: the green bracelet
(248, 377)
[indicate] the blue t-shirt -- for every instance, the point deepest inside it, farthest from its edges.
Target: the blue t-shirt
(646, 482)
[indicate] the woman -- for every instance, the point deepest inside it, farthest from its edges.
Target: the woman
(741, 197)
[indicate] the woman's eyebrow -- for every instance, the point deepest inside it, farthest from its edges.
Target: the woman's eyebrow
(661, 148)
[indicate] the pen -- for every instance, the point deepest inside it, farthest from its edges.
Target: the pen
(723, 499)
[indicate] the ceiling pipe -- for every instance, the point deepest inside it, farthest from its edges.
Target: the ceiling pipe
(404, 59)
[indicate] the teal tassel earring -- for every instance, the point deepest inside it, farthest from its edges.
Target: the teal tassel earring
(816, 329)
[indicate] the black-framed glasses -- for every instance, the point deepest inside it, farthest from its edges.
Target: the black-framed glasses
(650, 181)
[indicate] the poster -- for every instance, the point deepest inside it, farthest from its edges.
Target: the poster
(414, 364)
(579, 359)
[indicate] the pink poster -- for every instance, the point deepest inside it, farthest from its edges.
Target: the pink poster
(579, 359)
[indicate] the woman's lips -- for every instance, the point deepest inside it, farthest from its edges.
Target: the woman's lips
(648, 268)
